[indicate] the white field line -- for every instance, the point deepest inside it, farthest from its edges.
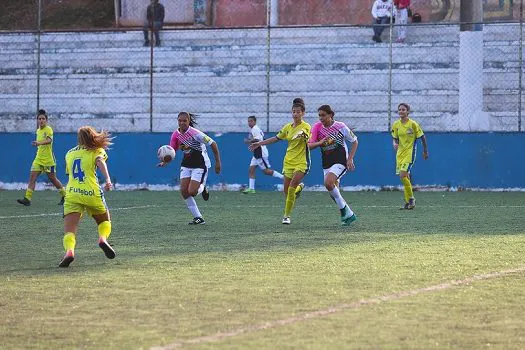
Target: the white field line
(59, 214)
(337, 308)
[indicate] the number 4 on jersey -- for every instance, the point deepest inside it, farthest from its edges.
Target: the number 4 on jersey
(77, 171)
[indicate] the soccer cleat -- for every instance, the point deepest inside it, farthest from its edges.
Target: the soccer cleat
(345, 214)
(197, 221)
(349, 220)
(108, 250)
(61, 201)
(286, 220)
(411, 203)
(67, 259)
(24, 201)
(248, 191)
(405, 206)
(205, 193)
(298, 190)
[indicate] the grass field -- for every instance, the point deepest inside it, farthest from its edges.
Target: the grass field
(449, 274)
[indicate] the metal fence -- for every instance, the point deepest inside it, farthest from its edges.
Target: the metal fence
(454, 80)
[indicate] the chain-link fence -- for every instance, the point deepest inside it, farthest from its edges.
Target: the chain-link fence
(453, 80)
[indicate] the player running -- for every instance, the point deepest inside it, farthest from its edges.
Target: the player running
(195, 163)
(331, 136)
(260, 155)
(297, 159)
(405, 132)
(44, 161)
(84, 192)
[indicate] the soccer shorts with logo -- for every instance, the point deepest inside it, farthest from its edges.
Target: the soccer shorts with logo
(337, 169)
(196, 174)
(95, 205)
(403, 165)
(38, 166)
(262, 163)
(289, 171)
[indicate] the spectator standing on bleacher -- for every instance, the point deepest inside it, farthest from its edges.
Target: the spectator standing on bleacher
(154, 21)
(402, 7)
(382, 11)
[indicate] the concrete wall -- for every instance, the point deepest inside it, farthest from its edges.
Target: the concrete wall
(103, 78)
(487, 160)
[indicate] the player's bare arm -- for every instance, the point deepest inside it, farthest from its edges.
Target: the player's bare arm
(425, 147)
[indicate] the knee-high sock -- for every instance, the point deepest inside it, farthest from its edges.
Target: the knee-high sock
(277, 174)
(69, 241)
(192, 206)
(290, 201)
(104, 229)
(408, 188)
(336, 195)
(251, 184)
(29, 194)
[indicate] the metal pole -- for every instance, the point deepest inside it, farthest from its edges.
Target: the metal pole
(520, 75)
(151, 81)
(39, 28)
(268, 57)
(390, 63)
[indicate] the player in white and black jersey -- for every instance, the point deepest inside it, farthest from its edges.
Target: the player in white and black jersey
(260, 155)
(332, 136)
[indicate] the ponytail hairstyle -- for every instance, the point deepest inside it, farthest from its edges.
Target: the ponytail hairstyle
(89, 138)
(192, 116)
(327, 109)
(299, 103)
(406, 105)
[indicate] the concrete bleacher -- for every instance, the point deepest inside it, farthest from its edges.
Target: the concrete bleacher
(103, 79)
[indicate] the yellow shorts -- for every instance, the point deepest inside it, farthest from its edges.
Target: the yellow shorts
(289, 171)
(403, 166)
(95, 206)
(36, 166)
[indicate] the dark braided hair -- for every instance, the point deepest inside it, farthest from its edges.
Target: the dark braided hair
(192, 116)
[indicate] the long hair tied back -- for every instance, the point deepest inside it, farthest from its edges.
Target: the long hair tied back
(327, 109)
(89, 138)
(192, 116)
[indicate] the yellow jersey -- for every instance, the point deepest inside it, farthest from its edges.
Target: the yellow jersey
(297, 153)
(406, 134)
(44, 153)
(81, 166)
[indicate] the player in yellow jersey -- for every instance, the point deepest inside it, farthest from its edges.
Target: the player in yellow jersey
(405, 132)
(44, 160)
(297, 159)
(84, 192)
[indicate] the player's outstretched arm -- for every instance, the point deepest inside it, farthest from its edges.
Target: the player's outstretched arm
(425, 147)
(217, 156)
(102, 166)
(269, 141)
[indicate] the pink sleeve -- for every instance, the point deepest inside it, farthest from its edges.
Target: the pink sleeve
(315, 133)
(174, 141)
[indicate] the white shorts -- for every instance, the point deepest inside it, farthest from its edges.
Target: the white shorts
(196, 174)
(337, 169)
(262, 163)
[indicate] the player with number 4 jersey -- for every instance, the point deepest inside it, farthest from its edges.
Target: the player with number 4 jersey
(83, 193)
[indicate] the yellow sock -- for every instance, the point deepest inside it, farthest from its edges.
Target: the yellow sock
(408, 188)
(69, 241)
(290, 201)
(104, 229)
(29, 194)
(62, 191)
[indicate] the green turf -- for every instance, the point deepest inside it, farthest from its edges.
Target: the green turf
(172, 284)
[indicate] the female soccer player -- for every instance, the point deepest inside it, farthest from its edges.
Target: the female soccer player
(405, 133)
(44, 160)
(331, 136)
(195, 163)
(260, 156)
(297, 159)
(84, 192)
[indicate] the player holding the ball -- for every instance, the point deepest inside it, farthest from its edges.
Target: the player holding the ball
(331, 136)
(195, 163)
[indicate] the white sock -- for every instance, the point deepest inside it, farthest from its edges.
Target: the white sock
(338, 198)
(201, 188)
(192, 206)
(277, 174)
(251, 186)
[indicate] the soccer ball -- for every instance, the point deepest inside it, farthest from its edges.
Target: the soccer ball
(165, 153)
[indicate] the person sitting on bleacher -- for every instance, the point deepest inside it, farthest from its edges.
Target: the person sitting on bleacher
(382, 11)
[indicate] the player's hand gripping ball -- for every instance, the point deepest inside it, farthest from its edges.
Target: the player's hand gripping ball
(165, 153)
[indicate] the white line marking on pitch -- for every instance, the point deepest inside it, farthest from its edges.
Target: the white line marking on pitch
(337, 308)
(58, 214)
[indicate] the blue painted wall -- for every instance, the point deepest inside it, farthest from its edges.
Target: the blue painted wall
(489, 160)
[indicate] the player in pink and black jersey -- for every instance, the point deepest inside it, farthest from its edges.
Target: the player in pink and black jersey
(195, 163)
(331, 136)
